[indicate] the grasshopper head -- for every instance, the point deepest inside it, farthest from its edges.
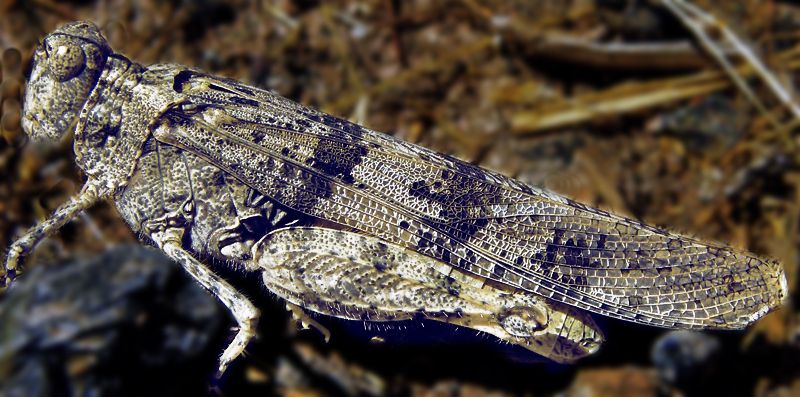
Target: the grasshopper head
(66, 66)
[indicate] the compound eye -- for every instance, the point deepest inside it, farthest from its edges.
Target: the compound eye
(66, 61)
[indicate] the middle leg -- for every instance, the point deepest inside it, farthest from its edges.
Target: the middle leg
(243, 311)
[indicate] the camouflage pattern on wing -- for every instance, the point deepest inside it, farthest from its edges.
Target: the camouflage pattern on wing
(470, 218)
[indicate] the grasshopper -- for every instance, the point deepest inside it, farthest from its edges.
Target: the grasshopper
(348, 222)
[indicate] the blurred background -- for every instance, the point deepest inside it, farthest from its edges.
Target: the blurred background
(611, 102)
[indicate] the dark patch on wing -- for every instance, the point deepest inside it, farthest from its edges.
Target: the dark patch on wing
(220, 89)
(335, 156)
(315, 188)
(498, 271)
(601, 241)
(547, 260)
(181, 78)
(182, 114)
(338, 159)
(241, 88)
(185, 75)
(233, 83)
(464, 197)
(573, 252)
(342, 152)
(243, 101)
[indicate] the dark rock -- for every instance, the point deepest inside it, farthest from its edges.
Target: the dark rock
(115, 324)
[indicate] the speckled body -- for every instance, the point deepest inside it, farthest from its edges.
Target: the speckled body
(353, 223)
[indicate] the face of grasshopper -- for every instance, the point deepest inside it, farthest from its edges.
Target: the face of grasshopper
(66, 67)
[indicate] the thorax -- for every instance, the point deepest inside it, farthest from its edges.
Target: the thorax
(114, 123)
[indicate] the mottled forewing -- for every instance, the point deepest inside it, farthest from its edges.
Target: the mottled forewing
(462, 215)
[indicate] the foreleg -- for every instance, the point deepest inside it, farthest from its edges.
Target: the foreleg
(87, 197)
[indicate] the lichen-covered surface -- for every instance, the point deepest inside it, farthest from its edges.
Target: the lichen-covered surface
(476, 79)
